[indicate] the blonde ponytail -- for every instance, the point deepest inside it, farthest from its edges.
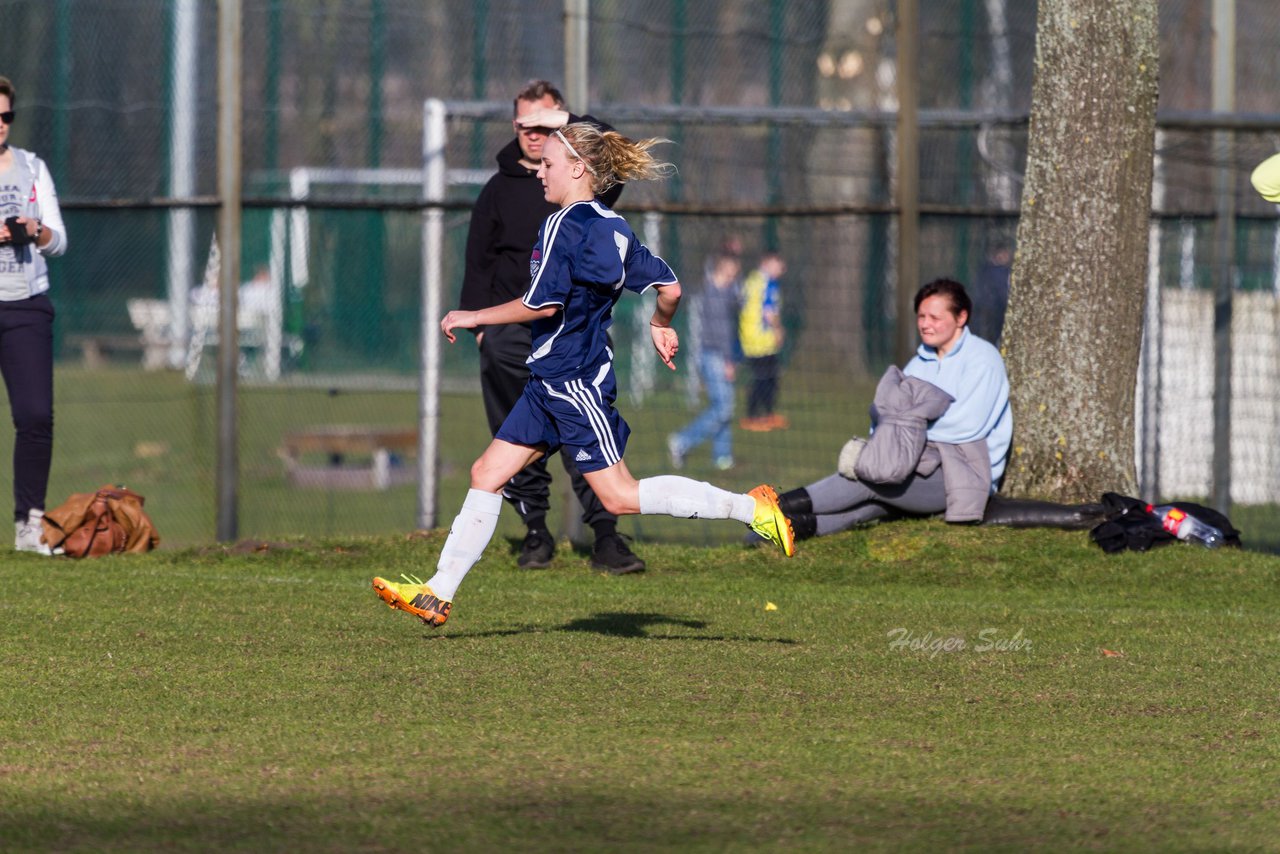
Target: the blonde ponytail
(612, 158)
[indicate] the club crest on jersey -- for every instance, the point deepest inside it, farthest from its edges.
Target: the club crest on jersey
(535, 261)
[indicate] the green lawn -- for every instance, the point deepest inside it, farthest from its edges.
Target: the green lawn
(917, 686)
(156, 433)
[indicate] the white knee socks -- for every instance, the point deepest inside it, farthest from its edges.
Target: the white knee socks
(470, 534)
(672, 495)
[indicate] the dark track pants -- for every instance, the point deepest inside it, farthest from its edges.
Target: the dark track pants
(26, 361)
(762, 395)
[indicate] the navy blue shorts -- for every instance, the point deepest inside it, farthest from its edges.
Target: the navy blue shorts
(577, 416)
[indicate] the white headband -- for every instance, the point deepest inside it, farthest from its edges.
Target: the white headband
(574, 152)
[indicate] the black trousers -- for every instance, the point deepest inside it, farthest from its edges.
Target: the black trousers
(762, 394)
(503, 374)
(26, 361)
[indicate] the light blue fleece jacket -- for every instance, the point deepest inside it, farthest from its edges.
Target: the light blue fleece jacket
(973, 373)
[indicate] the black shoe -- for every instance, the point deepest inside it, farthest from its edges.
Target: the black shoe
(536, 550)
(612, 554)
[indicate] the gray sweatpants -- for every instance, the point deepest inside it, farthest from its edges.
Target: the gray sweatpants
(840, 503)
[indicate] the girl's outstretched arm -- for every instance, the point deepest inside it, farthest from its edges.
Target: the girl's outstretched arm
(514, 311)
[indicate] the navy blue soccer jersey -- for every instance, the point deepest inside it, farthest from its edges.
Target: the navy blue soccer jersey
(585, 257)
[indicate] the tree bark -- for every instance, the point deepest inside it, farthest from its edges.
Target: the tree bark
(1074, 326)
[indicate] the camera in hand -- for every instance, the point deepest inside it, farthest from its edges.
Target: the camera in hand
(18, 235)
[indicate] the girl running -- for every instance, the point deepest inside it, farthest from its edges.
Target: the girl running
(586, 255)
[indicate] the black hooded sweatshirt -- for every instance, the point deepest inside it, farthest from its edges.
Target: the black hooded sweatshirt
(504, 227)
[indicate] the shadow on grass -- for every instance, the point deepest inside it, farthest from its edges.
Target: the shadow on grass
(488, 814)
(621, 624)
(624, 625)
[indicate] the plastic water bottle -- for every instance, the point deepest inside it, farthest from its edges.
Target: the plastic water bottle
(1186, 527)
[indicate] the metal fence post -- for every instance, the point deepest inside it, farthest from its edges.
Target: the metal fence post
(229, 184)
(908, 177)
(576, 48)
(1224, 87)
(433, 191)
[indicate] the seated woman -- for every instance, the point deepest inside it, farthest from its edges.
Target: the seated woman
(964, 366)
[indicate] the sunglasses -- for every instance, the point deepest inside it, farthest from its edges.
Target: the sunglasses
(7, 117)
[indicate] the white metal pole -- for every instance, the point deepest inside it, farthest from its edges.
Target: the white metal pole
(1148, 420)
(274, 333)
(299, 227)
(433, 191)
(182, 175)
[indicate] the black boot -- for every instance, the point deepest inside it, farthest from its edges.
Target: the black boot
(537, 549)
(795, 501)
(612, 554)
(803, 525)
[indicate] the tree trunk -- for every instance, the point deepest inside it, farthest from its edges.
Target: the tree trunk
(1074, 326)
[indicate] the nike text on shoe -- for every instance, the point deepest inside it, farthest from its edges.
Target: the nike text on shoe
(770, 522)
(415, 597)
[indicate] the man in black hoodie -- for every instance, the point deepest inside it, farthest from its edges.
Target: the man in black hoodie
(504, 228)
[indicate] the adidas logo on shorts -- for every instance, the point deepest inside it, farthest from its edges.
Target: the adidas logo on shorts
(582, 456)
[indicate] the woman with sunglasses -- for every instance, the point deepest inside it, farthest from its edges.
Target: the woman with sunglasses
(585, 258)
(31, 230)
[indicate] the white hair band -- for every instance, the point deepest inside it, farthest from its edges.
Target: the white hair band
(574, 152)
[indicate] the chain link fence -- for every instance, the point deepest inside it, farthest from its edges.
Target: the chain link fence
(782, 119)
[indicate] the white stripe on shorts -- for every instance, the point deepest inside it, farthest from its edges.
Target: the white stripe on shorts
(599, 418)
(588, 405)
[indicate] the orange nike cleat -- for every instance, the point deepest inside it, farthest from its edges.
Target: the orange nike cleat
(415, 597)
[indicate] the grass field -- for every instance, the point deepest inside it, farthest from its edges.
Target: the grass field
(155, 433)
(918, 686)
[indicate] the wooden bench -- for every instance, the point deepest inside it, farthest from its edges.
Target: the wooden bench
(373, 448)
(94, 349)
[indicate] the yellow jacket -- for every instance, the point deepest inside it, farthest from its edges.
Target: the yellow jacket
(1266, 178)
(760, 323)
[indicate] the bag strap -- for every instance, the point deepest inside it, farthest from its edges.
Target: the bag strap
(120, 493)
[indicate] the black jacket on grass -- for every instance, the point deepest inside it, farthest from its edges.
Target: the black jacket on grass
(504, 227)
(1129, 526)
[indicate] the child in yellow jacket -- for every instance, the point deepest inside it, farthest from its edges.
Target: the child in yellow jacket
(761, 334)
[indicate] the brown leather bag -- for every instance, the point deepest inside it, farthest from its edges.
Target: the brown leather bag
(94, 524)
